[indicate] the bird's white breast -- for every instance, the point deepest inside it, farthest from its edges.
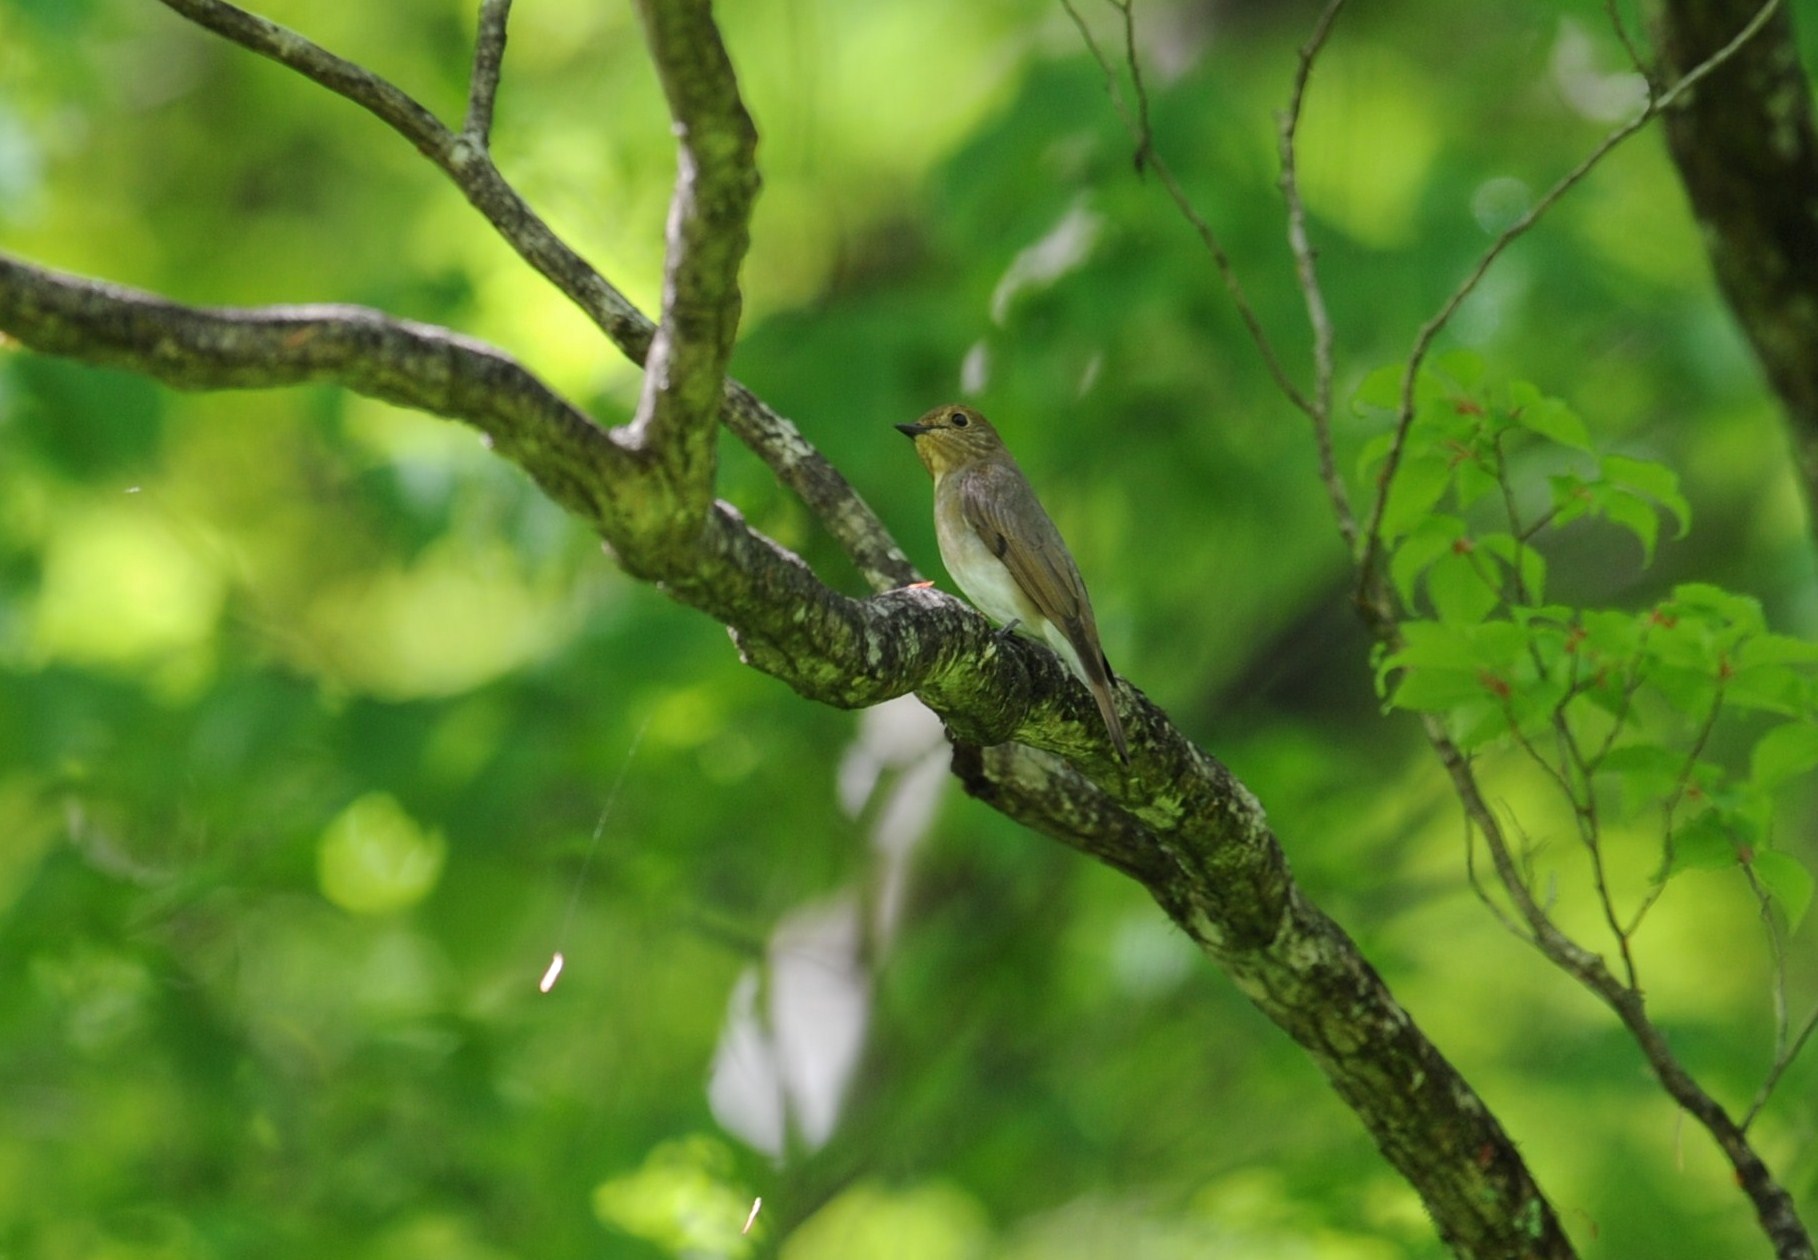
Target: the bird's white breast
(980, 574)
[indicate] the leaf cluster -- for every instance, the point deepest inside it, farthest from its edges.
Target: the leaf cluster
(1625, 709)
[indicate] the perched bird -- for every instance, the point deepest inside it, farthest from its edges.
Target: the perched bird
(1004, 552)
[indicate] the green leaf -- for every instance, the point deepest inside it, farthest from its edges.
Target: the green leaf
(1635, 514)
(1787, 883)
(1437, 690)
(1458, 589)
(1479, 723)
(1572, 498)
(1646, 773)
(1776, 649)
(1743, 612)
(1382, 388)
(1611, 634)
(1530, 564)
(1657, 481)
(1475, 479)
(1418, 484)
(1689, 691)
(1783, 754)
(1370, 458)
(1463, 368)
(1702, 845)
(1769, 689)
(1425, 543)
(1553, 420)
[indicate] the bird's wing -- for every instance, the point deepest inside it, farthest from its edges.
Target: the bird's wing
(997, 502)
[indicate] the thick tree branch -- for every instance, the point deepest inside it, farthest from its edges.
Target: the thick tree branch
(1175, 818)
(1746, 146)
(709, 232)
(410, 364)
(796, 463)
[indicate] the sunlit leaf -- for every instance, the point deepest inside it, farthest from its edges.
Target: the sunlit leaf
(1776, 649)
(1527, 562)
(1459, 589)
(1702, 845)
(1784, 753)
(1418, 485)
(1464, 368)
(1787, 882)
(1426, 542)
(1382, 387)
(1634, 514)
(1656, 481)
(1645, 773)
(1436, 690)
(1553, 420)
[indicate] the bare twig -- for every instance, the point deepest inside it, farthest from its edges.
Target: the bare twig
(1786, 1045)
(1146, 155)
(1613, 9)
(1782, 1061)
(1670, 807)
(1368, 576)
(488, 56)
(1145, 143)
(1306, 268)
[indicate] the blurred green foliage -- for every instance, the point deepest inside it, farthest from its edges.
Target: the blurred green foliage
(310, 710)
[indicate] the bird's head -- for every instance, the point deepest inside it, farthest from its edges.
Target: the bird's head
(951, 437)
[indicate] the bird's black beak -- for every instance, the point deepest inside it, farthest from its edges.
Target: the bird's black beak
(912, 430)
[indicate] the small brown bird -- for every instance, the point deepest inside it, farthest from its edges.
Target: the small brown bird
(1006, 555)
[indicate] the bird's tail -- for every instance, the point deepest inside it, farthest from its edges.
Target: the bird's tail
(1100, 683)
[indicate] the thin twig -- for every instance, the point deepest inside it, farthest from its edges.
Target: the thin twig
(1184, 204)
(1670, 807)
(1483, 892)
(488, 56)
(1306, 268)
(1145, 146)
(1781, 1062)
(1628, 43)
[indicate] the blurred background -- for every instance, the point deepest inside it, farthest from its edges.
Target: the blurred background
(320, 733)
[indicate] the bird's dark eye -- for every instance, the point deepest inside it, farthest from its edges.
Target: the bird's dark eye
(958, 420)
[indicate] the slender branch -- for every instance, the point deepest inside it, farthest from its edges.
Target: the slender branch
(796, 463)
(1145, 147)
(1782, 1061)
(488, 56)
(1786, 1046)
(1307, 270)
(709, 231)
(1670, 807)
(1368, 575)
(1621, 28)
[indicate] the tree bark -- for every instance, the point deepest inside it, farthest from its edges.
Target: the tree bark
(1747, 151)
